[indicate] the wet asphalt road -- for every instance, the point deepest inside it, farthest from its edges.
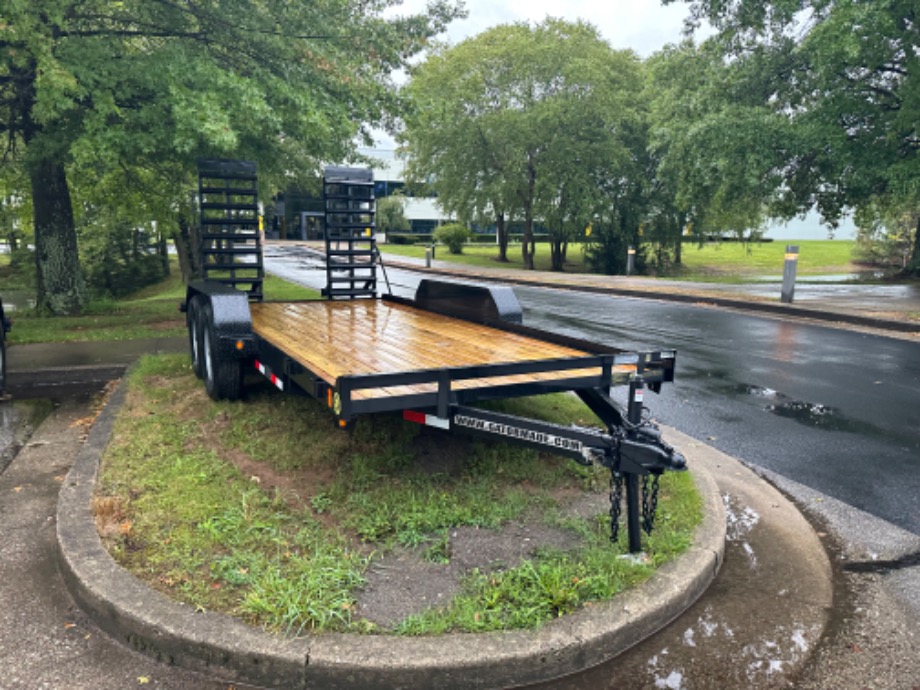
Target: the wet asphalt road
(834, 410)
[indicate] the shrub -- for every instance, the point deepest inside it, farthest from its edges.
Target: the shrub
(454, 235)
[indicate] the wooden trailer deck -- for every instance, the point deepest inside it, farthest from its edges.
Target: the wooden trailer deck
(334, 339)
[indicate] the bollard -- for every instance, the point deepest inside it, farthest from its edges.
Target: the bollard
(427, 257)
(792, 260)
(630, 260)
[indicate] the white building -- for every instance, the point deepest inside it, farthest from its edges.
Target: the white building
(423, 213)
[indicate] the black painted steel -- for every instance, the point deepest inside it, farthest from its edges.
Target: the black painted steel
(230, 240)
(351, 245)
(479, 303)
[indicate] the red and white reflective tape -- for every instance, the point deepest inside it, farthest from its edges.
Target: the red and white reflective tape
(267, 373)
(428, 419)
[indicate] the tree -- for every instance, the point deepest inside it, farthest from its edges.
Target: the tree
(391, 215)
(527, 121)
(717, 149)
(844, 78)
(102, 86)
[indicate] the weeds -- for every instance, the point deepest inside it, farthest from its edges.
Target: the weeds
(264, 510)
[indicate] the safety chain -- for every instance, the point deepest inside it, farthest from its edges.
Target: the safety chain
(616, 499)
(649, 501)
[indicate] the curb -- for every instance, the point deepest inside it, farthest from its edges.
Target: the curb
(225, 648)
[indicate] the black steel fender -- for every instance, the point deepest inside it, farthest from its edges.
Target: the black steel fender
(232, 318)
(470, 301)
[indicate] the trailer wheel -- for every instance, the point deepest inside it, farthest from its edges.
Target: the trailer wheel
(194, 335)
(223, 376)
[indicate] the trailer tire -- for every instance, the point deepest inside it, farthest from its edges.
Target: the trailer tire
(223, 376)
(194, 335)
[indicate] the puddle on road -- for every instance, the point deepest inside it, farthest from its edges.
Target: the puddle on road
(18, 420)
(814, 415)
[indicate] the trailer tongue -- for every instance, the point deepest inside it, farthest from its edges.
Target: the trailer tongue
(432, 358)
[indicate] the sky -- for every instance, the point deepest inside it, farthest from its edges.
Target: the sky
(645, 26)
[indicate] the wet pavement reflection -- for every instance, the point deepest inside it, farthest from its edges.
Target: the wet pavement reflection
(18, 419)
(751, 629)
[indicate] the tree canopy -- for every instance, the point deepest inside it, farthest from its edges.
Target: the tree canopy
(836, 87)
(531, 122)
(95, 88)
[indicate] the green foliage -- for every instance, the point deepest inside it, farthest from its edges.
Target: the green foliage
(824, 96)
(887, 236)
(454, 235)
(120, 259)
(607, 250)
(528, 123)
(391, 215)
(107, 97)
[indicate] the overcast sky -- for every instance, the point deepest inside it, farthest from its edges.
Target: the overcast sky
(643, 25)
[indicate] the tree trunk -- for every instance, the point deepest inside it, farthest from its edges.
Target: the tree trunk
(501, 229)
(163, 251)
(182, 240)
(679, 242)
(913, 265)
(528, 246)
(59, 282)
(557, 258)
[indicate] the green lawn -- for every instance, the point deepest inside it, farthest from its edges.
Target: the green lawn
(149, 313)
(711, 261)
(816, 257)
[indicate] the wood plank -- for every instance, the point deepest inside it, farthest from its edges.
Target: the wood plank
(338, 338)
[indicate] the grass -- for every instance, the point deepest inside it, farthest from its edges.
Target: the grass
(152, 312)
(262, 509)
(739, 261)
(727, 261)
(484, 256)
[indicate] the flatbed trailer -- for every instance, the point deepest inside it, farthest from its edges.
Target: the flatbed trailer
(433, 358)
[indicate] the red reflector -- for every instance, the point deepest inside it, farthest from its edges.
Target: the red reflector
(413, 416)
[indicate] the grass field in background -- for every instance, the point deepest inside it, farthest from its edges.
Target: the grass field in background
(734, 259)
(149, 313)
(711, 261)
